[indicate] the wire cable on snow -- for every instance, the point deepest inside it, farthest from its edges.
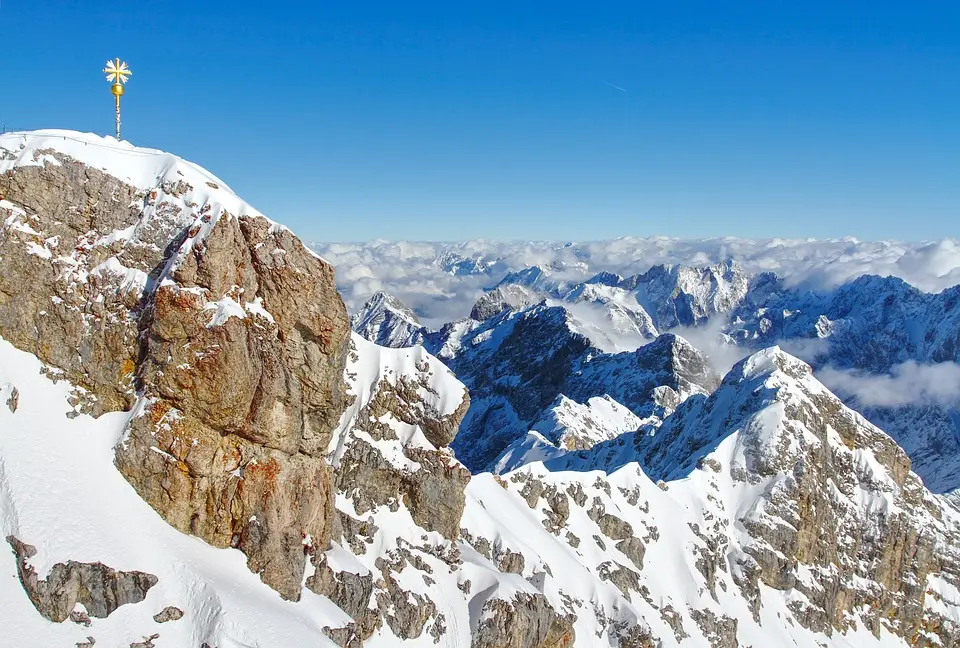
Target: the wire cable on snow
(139, 153)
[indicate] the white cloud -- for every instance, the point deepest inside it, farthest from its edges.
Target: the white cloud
(710, 339)
(409, 270)
(908, 383)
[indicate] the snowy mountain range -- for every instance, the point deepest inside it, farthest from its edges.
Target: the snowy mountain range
(197, 450)
(874, 339)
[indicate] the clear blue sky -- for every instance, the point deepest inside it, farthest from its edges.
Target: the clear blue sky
(429, 120)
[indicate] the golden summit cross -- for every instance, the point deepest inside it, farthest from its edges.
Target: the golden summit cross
(117, 72)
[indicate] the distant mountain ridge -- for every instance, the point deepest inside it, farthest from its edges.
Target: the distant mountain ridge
(870, 324)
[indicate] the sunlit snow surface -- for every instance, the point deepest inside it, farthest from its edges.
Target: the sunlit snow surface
(60, 491)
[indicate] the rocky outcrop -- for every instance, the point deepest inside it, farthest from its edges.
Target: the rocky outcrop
(226, 328)
(13, 397)
(146, 643)
(100, 589)
(242, 462)
(501, 298)
(351, 591)
(842, 520)
(422, 475)
(526, 621)
(169, 613)
(517, 365)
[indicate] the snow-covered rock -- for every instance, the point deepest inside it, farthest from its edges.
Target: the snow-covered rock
(384, 320)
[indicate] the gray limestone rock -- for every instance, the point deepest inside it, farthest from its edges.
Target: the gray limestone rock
(527, 621)
(13, 401)
(169, 613)
(100, 589)
(146, 643)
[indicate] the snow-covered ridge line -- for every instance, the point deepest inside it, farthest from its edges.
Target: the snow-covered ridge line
(144, 168)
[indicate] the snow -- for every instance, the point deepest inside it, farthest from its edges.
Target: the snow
(256, 308)
(131, 279)
(368, 366)
(224, 309)
(143, 168)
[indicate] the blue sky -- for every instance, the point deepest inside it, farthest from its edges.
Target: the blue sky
(500, 120)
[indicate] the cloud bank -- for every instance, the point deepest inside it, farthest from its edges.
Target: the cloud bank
(440, 281)
(909, 383)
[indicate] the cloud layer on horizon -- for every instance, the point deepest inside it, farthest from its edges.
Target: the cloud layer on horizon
(414, 271)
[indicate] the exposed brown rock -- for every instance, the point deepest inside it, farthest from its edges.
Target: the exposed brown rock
(239, 412)
(527, 621)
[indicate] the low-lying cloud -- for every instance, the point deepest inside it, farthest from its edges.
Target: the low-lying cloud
(909, 383)
(710, 339)
(415, 272)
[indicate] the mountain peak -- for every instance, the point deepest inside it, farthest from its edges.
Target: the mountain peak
(383, 301)
(767, 362)
(387, 321)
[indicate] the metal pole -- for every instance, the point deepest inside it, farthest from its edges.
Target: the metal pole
(118, 117)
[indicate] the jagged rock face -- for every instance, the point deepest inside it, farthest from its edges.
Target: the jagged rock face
(847, 531)
(664, 297)
(421, 473)
(572, 426)
(244, 458)
(501, 298)
(929, 434)
(518, 364)
(100, 589)
(528, 621)
(515, 368)
(228, 329)
(519, 360)
(653, 380)
(686, 296)
(871, 323)
(59, 295)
